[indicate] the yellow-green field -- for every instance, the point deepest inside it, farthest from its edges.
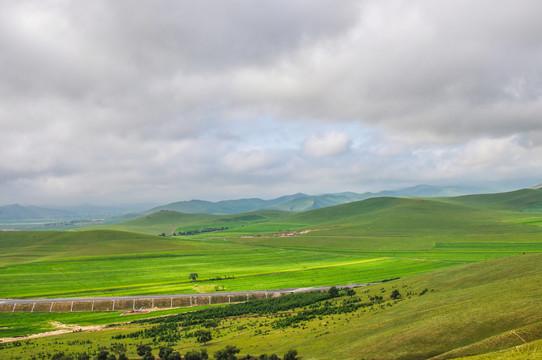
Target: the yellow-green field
(477, 256)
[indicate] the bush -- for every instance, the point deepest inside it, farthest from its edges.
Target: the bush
(291, 355)
(228, 353)
(395, 294)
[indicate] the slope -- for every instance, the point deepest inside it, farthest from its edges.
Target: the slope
(449, 313)
(525, 200)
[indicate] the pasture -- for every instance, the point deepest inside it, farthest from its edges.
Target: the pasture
(448, 313)
(361, 242)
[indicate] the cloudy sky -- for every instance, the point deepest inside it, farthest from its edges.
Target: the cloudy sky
(116, 102)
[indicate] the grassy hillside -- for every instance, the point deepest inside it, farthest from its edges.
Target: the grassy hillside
(466, 310)
(21, 247)
(168, 222)
(383, 216)
(360, 242)
(525, 200)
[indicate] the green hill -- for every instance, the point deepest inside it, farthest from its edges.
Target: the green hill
(525, 200)
(31, 246)
(168, 222)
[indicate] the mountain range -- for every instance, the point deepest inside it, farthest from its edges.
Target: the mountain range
(303, 202)
(296, 202)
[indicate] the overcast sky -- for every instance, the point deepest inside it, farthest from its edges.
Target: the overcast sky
(116, 102)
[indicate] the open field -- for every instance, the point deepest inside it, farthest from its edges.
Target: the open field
(470, 309)
(360, 242)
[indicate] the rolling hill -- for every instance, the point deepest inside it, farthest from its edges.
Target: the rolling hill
(302, 202)
(524, 200)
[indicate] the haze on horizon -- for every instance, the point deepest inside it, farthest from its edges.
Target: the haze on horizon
(132, 101)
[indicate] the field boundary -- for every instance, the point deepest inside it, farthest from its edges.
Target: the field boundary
(146, 302)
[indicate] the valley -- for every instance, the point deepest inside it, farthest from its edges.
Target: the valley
(455, 261)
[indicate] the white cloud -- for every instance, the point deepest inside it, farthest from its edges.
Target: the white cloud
(129, 99)
(331, 143)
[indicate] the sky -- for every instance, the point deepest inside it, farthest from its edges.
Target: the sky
(130, 101)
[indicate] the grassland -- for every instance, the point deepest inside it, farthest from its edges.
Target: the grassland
(488, 308)
(478, 256)
(360, 242)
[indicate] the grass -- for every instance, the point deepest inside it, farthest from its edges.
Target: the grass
(400, 237)
(471, 309)
(20, 324)
(482, 295)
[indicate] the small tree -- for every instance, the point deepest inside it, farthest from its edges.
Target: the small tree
(350, 292)
(193, 276)
(143, 349)
(118, 348)
(174, 356)
(291, 355)
(203, 336)
(395, 294)
(333, 292)
(148, 356)
(228, 353)
(61, 356)
(195, 355)
(102, 355)
(123, 357)
(164, 352)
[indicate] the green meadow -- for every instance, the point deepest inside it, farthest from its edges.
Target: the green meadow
(487, 308)
(360, 242)
(477, 256)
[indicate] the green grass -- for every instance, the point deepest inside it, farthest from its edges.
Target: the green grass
(20, 324)
(409, 236)
(470, 309)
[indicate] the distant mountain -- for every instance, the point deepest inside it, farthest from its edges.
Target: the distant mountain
(18, 212)
(303, 202)
(296, 202)
(430, 191)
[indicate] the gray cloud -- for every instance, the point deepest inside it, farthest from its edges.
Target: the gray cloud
(128, 100)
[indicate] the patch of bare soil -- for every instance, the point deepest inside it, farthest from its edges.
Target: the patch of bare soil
(62, 329)
(136, 312)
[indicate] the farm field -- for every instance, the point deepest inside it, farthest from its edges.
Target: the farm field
(457, 312)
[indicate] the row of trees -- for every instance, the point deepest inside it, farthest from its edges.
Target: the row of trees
(167, 353)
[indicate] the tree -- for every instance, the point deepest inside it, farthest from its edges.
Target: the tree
(174, 356)
(350, 292)
(85, 356)
(102, 355)
(333, 292)
(123, 357)
(118, 348)
(228, 353)
(193, 276)
(395, 294)
(164, 352)
(274, 357)
(61, 356)
(291, 355)
(143, 349)
(148, 356)
(194, 355)
(111, 357)
(203, 336)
